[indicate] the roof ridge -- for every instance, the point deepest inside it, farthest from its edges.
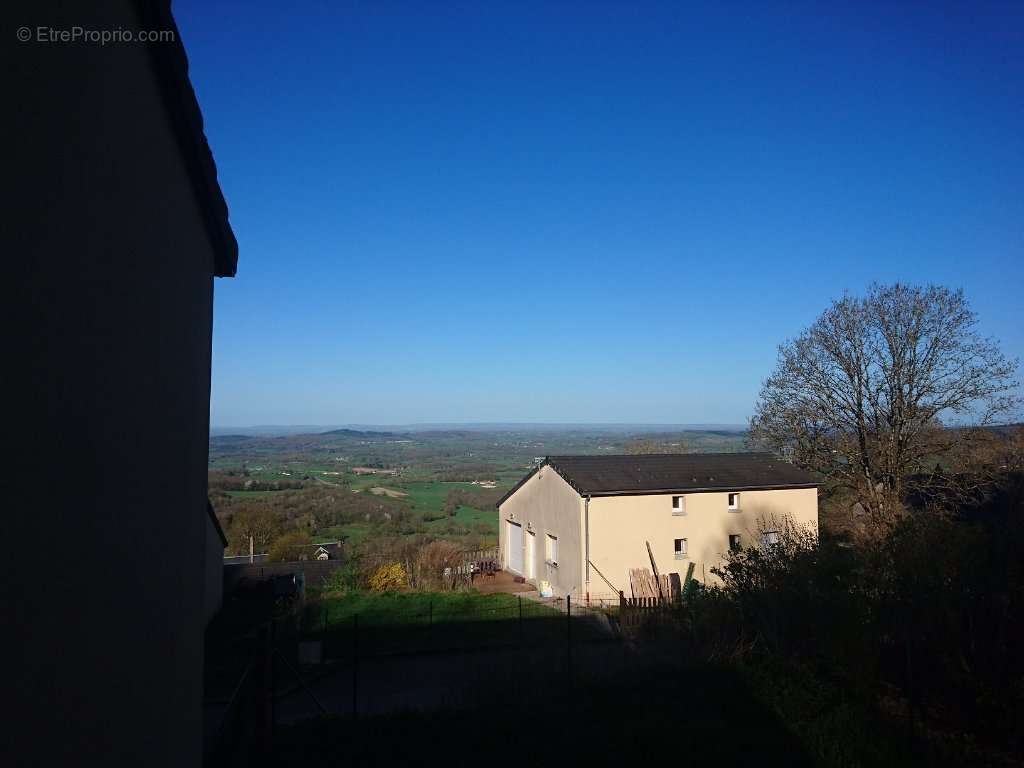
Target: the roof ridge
(667, 473)
(643, 455)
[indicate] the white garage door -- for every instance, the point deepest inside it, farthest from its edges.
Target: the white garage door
(515, 547)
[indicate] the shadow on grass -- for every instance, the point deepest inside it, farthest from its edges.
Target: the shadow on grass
(533, 713)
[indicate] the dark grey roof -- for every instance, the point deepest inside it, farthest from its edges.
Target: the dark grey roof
(672, 473)
(244, 559)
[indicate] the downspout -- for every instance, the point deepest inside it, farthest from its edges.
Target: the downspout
(586, 546)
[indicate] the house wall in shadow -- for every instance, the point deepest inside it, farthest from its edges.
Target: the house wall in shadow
(115, 232)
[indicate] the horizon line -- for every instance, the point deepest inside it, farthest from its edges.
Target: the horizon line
(329, 425)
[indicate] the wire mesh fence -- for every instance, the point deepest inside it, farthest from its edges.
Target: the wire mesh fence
(435, 652)
(433, 626)
(366, 653)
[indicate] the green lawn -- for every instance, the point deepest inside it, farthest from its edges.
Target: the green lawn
(353, 533)
(418, 622)
(393, 608)
(470, 516)
(429, 496)
(249, 494)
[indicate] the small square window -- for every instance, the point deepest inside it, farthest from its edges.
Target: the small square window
(678, 505)
(734, 542)
(770, 539)
(734, 502)
(680, 549)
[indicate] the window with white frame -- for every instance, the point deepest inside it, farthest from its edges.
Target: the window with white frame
(678, 505)
(551, 549)
(734, 502)
(680, 549)
(769, 539)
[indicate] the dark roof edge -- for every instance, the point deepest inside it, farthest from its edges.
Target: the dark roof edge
(717, 489)
(216, 523)
(170, 64)
(655, 492)
(555, 457)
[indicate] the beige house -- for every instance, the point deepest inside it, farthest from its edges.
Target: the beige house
(580, 523)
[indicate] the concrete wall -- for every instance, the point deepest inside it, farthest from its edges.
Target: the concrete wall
(547, 504)
(620, 526)
(108, 387)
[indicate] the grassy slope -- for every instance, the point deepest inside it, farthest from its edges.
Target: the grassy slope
(471, 516)
(412, 607)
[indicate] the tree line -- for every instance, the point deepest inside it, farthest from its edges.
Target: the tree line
(912, 616)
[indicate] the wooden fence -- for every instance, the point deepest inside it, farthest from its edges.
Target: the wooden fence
(634, 611)
(478, 555)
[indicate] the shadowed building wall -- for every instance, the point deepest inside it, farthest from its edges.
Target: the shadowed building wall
(115, 232)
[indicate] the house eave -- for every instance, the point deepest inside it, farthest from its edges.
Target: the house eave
(680, 491)
(712, 489)
(170, 65)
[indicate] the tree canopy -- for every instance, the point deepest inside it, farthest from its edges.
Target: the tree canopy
(866, 394)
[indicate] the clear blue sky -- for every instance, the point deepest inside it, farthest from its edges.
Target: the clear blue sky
(578, 212)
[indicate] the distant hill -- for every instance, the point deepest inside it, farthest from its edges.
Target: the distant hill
(464, 427)
(357, 433)
(446, 446)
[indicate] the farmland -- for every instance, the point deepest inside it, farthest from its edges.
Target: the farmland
(368, 487)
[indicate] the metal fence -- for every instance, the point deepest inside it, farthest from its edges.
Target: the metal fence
(327, 658)
(376, 661)
(444, 626)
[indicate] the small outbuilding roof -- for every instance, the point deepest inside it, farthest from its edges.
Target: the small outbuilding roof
(627, 475)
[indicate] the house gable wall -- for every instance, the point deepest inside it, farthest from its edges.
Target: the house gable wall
(546, 504)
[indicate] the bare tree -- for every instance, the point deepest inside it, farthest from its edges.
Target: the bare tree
(863, 395)
(259, 523)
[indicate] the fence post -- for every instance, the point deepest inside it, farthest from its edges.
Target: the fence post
(520, 619)
(355, 666)
(273, 675)
(568, 638)
(265, 689)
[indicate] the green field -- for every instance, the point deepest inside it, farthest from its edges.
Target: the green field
(353, 533)
(470, 516)
(327, 499)
(396, 608)
(429, 496)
